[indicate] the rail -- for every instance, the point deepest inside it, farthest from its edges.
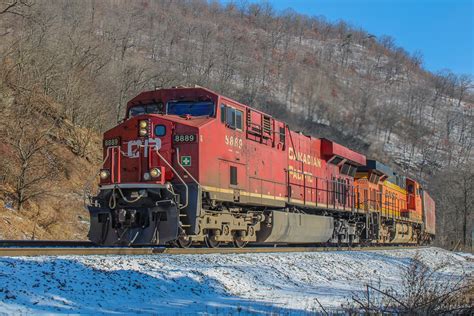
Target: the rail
(45, 243)
(68, 250)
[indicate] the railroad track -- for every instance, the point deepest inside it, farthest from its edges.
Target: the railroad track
(65, 248)
(45, 243)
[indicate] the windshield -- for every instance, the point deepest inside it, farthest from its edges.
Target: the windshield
(193, 108)
(136, 110)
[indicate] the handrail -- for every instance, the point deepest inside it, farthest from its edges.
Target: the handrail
(179, 177)
(330, 194)
(185, 170)
(89, 180)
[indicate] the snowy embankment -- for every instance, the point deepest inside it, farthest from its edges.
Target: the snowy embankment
(231, 284)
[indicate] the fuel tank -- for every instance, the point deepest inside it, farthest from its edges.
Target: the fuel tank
(285, 227)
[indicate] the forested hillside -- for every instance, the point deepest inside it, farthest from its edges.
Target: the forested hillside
(67, 69)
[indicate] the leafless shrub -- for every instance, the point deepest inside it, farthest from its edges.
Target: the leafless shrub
(423, 291)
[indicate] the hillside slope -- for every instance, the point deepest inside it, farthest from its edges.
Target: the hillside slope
(330, 80)
(42, 179)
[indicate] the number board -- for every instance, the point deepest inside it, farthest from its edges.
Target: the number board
(189, 138)
(112, 142)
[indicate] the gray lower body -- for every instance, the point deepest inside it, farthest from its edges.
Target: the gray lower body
(284, 227)
(133, 226)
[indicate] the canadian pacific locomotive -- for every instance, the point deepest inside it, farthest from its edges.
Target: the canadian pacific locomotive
(189, 166)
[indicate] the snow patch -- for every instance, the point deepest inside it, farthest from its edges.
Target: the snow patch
(293, 283)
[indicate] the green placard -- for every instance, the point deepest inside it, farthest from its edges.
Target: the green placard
(186, 161)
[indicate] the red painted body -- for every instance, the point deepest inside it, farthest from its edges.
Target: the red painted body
(271, 162)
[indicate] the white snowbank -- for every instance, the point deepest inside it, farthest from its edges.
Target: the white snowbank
(230, 284)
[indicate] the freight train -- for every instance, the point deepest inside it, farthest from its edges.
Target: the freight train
(188, 166)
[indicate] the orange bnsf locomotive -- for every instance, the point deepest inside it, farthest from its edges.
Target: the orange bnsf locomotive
(189, 166)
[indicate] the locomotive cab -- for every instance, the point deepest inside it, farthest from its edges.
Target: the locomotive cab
(414, 200)
(150, 169)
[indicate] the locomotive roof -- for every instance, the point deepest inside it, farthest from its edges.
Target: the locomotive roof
(387, 171)
(377, 166)
(171, 93)
(199, 91)
(330, 148)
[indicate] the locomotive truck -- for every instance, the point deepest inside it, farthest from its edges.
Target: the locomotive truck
(189, 166)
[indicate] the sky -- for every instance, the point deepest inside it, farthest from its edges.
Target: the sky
(442, 30)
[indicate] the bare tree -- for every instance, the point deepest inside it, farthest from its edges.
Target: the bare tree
(33, 163)
(14, 7)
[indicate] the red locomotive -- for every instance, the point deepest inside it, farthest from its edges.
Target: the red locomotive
(188, 165)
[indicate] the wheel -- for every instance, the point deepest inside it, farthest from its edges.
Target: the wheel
(211, 242)
(184, 241)
(239, 243)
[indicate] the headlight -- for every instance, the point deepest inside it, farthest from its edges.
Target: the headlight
(143, 124)
(155, 172)
(146, 176)
(143, 132)
(143, 128)
(104, 174)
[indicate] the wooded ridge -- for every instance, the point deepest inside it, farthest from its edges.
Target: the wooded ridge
(67, 69)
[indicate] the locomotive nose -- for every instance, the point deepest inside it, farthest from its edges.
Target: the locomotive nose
(145, 145)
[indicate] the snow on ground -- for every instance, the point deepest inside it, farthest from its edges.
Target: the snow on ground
(289, 283)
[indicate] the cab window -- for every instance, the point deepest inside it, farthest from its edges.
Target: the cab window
(152, 108)
(193, 108)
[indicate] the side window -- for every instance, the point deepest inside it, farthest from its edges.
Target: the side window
(223, 110)
(233, 175)
(230, 117)
(282, 136)
(238, 119)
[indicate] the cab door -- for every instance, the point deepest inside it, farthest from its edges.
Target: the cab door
(411, 188)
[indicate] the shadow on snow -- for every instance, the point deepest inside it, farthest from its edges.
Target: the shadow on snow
(67, 286)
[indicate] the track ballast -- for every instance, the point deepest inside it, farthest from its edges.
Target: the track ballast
(14, 248)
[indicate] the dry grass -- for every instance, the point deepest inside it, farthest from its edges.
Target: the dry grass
(58, 215)
(424, 291)
(44, 222)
